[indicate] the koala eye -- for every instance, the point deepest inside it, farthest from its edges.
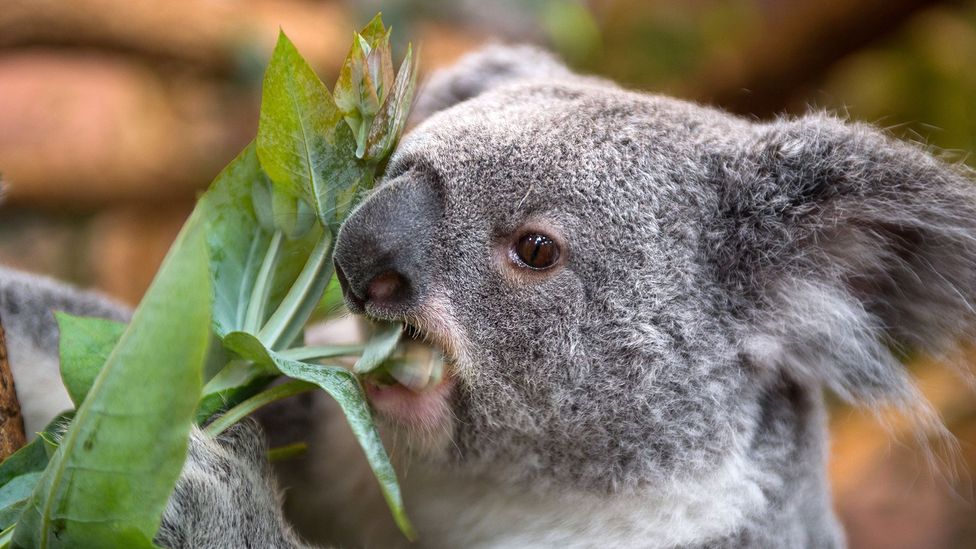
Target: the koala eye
(537, 251)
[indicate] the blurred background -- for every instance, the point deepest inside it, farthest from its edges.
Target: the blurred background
(115, 114)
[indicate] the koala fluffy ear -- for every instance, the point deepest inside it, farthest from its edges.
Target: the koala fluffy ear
(483, 70)
(849, 250)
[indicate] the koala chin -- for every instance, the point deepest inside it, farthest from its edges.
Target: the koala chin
(641, 301)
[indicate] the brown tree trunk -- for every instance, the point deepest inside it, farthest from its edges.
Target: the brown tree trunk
(12, 436)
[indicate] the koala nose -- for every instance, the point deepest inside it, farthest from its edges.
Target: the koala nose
(382, 251)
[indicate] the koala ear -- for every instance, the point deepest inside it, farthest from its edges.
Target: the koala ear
(477, 72)
(850, 250)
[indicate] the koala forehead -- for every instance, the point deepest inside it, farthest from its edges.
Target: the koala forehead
(580, 148)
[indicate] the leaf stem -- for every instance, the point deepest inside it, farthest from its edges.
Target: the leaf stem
(297, 306)
(304, 354)
(247, 281)
(288, 451)
(258, 303)
(6, 536)
(237, 413)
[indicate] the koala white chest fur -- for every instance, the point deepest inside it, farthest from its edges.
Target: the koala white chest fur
(641, 301)
(459, 510)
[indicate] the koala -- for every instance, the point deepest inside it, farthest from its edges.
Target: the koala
(642, 302)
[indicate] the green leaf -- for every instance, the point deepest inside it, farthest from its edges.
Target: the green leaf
(379, 63)
(374, 31)
(21, 470)
(292, 214)
(332, 302)
(249, 347)
(257, 305)
(236, 241)
(32, 458)
(345, 389)
(365, 80)
(261, 199)
(14, 496)
(391, 120)
(245, 408)
(108, 482)
(379, 347)
(303, 144)
(238, 246)
(343, 386)
(297, 306)
(236, 382)
(305, 354)
(355, 90)
(84, 344)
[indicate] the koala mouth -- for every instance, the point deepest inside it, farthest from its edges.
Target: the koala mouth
(413, 388)
(418, 365)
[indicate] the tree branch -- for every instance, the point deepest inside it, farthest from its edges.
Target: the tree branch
(12, 436)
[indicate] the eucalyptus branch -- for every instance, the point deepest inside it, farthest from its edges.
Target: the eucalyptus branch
(242, 410)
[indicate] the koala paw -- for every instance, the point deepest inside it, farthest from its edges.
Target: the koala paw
(226, 495)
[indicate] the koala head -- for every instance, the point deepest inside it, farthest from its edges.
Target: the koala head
(619, 279)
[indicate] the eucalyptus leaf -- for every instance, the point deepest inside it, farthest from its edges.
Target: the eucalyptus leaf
(292, 215)
(32, 458)
(379, 63)
(289, 319)
(236, 382)
(109, 480)
(317, 353)
(392, 118)
(365, 80)
(355, 91)
(302, 143)
(343, 386)
(332, 302)
(261, 200)
(85, 344)
(21, 470)
(245, 408)
(9, 516)
(14, 496)
(379, 347)
(239, 246)
(236, 241)
(374, 31)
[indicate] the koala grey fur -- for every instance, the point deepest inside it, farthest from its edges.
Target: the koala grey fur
(663, 388)
(27, 306)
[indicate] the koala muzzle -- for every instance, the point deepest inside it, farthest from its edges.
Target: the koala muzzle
(382, 251)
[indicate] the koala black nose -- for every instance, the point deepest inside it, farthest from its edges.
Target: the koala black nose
(383, 250)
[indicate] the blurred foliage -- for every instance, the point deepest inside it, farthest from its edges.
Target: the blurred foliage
(921, 83)
(657, 45)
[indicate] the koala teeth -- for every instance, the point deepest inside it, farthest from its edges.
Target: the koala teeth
(419, 368)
